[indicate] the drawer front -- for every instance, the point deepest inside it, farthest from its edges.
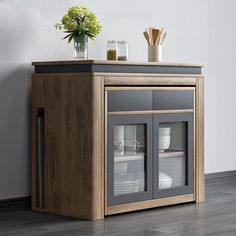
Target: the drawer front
(172, 99)
(141, 100)
(130, 100)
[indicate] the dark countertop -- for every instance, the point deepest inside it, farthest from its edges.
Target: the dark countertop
(115, 67)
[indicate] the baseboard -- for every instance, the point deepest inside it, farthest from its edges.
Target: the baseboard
(221, 176)
(14, 204)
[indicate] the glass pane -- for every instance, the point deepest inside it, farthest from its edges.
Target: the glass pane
(172, 155)
(130, 159)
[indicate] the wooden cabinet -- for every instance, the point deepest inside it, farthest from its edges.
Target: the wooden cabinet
(112, 137)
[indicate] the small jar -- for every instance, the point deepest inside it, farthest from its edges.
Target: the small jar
(123, 50)
(112, 52)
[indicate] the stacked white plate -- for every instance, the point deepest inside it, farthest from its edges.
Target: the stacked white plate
(125, 184)
(141, 180)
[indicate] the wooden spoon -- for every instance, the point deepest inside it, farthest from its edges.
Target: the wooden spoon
(146, 36)
(149, 30)
(163, 37)
(155, 33)
(159, 36)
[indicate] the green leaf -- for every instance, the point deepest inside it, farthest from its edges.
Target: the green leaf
(69, 31)
(91, 36)
(68, 35)
(70, 38)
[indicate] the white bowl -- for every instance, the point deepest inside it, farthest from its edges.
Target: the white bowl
(120, 167)
(164, 143)
(164, 131)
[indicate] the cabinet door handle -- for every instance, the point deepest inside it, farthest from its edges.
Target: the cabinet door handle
(40, 155)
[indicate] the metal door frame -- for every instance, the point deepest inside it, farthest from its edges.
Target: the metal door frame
(189, 188)
(128, 120)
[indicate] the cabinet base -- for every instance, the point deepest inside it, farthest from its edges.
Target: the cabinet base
(149, 204)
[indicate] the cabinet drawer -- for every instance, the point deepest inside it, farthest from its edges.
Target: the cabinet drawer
(143, 100)
(130, 100)
(173, 99)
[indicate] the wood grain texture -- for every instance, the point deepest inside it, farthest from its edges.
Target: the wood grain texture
(149, 112)
(173, 153)
(105, 62)
(145, 75)
(33, 147)
(71, 117)
(36, 102)
(98, 149)
(105, 157)
(148, 80)
(140, 88)
(199, 168)
(194, 146)
(149, 204)
(75, 150)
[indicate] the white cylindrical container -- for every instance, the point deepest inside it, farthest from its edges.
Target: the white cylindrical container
(154, 53)
(164, 143)
(164, 138)
(130, 132)
(131, 143)
(119, 132)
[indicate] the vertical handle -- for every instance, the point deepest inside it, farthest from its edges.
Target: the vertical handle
(40, 158)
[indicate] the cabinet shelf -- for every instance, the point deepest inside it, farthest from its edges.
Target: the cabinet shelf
(171, 153)
(129, 157)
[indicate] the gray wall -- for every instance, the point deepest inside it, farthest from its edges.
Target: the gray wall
(199, 31)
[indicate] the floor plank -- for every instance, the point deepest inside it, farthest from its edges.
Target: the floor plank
(217, 216)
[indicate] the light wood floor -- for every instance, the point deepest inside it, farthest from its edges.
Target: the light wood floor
(215, 217)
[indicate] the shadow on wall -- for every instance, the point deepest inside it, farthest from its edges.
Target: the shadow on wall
(15, 130)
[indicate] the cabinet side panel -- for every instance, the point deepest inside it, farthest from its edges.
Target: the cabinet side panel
(200, 177)
(33, 146)
(98, 149)
(67, 101)
(77, 146)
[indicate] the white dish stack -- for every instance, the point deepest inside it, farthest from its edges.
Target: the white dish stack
(125, 184)
(120, 167)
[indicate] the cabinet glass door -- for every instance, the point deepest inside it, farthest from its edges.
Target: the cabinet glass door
(129, 167)
(173, 156)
